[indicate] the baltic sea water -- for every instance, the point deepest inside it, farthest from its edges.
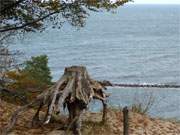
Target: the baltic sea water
(137, 44)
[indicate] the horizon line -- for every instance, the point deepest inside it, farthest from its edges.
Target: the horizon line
(152, 3)
(155, 3)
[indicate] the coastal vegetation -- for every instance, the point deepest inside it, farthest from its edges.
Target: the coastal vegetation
(29, 80)
(35, 74)
(91, 124)
(30, 83)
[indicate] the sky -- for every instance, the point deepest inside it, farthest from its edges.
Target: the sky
(156, 1)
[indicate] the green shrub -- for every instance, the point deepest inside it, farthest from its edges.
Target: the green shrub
(37, 69)
(35, 75)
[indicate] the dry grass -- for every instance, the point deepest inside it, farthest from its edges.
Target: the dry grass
(139, 124)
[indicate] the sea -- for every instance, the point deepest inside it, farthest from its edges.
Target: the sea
(133, 44)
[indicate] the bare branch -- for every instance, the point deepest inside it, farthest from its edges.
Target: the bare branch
(29, 23)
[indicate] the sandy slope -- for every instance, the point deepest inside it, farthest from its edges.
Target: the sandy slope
(139, 124)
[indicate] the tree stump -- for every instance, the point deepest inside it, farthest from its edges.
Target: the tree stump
(75, 89)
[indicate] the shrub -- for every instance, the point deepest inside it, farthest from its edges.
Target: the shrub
(35, 75)
(143, 107)
(38, 70)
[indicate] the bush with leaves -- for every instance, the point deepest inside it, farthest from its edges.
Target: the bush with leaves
(35, 75)
(37, 69)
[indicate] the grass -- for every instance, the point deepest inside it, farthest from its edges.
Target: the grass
(143, 107)
(114, 108)
(91, 128)
(174, 120)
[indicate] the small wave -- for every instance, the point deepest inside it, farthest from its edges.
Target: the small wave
(171, 83)
(127, 76)
(164, 56)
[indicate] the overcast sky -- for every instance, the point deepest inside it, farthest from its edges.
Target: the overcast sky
(157, 1)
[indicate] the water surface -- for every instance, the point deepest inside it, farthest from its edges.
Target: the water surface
(138, 44)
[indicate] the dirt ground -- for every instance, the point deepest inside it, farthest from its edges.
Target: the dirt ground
(138, 124)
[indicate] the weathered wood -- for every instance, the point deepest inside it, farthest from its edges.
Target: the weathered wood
(36, 120)
(104, 117)
(125, 121)
(76, 89)
(15, 116)
(52, 105)
(75, 117)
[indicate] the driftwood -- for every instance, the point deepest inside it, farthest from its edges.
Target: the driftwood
(75, 89)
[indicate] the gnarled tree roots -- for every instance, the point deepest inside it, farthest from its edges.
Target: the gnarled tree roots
(75, 89)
